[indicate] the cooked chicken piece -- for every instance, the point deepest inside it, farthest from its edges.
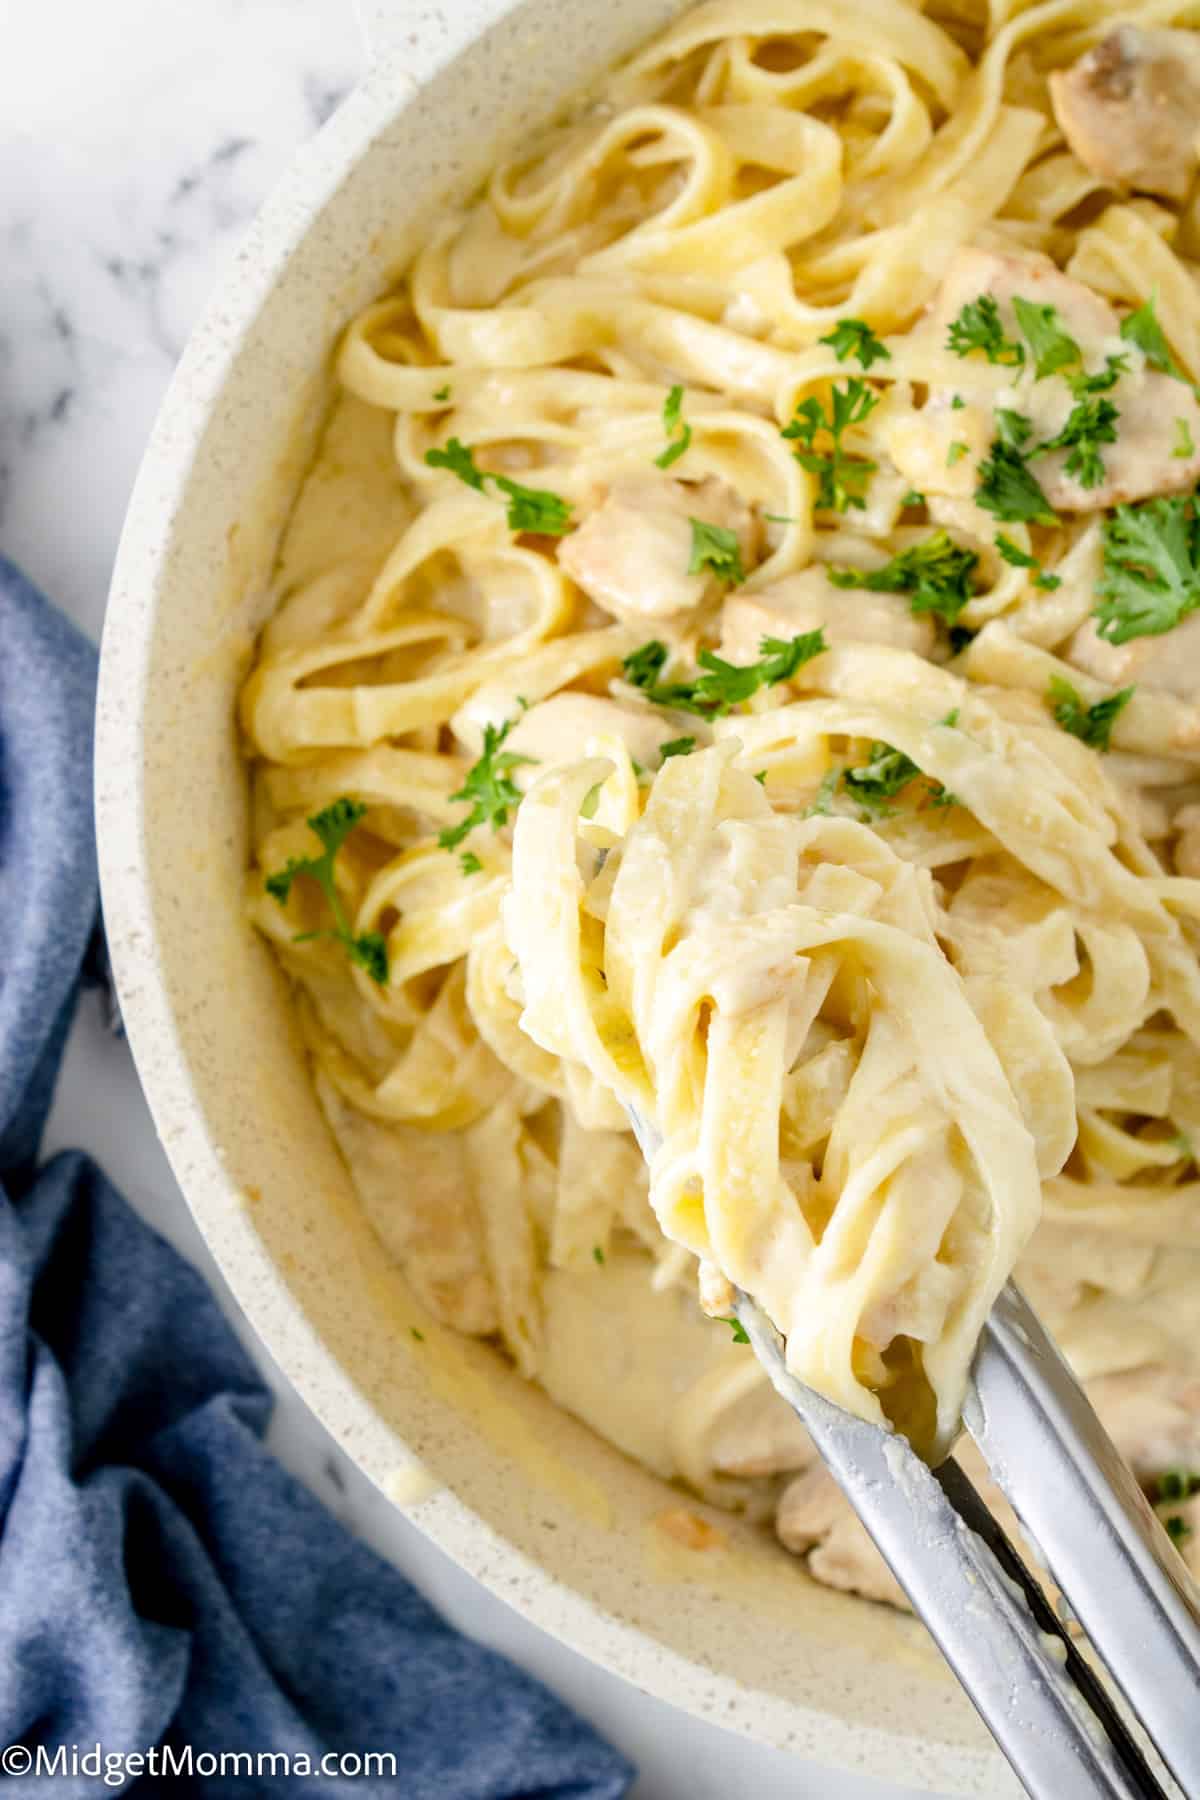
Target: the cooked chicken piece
(1130, 109)
(1170, 661)
(558, 730)
(415, 1190)
(1156, 413)
(761, 1435)
(1152, 1415)
(816, 1521)
(1187, 844)
(633, 553)
(809, 600)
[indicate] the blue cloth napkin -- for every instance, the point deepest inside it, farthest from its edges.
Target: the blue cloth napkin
(163, 1581)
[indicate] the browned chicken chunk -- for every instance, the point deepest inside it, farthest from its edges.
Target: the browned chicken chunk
(1130, 109)
(633, 556)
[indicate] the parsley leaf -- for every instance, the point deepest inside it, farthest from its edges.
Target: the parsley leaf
(912, 498)
(1053, 346)
(1178, 1529)
(854, 337)
(1013, 428)
(822, 806)
(739, 1330)
(469, 863)
(1183, 439)
(1091, 724)
(643, 666)
(978, 327)
(331, 827)
(1009, 491)
(459, 460)
(1177, 1484)
(716, 547)
(680, 746)
(1090, 423)
(1100, 380)
(935, 574)
(442, 393)
(721, 684)
(529, 509)
(597, 1255)
(679, 433)
(1151, 575)
(534, 509)
(1142, 329)
(1021, 559)
(489, 787)
(873, 783)
(956, 453)
(842, 478)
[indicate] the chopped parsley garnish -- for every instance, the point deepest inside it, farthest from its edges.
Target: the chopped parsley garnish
(442, 393)
(459, 460)
(488, 787)
(721, 684)
(781, 518)
(680, 746)
(1091, 724)
(597, 1255)
(1178, 1529)
(842, 478)
(978, 327)
(1183, 1143)
(529, 509)
(332, 826)
(1151, 575)
(1053, 346)
(679, 433)
(760, 775)
(873, 783)
(957, 404)
(956, 452)
(1021, 559)
(935, 574)
(912, 498)
(1142, 329)
(716, 547)
(854, 337)
(419, 1335)
(1013, 428)
(1009, 490)
(1177, 1484)
(739, 1330)
(1183, 439)
(822, 806)
(1089, 424)
(1100, 380)
(469, 863)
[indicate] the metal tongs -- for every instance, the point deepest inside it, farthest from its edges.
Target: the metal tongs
(1052, 1715)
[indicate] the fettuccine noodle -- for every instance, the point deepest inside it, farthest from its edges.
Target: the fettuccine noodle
(732, 659)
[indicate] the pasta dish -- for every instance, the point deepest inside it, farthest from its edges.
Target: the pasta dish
(736, 657)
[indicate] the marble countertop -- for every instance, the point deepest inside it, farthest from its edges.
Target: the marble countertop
(137, 141)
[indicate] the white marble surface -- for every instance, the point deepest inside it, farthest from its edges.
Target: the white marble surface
(136, 141)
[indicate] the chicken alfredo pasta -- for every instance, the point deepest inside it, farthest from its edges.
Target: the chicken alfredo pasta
(735, 657)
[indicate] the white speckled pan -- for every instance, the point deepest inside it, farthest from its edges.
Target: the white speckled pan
(518, 1493)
